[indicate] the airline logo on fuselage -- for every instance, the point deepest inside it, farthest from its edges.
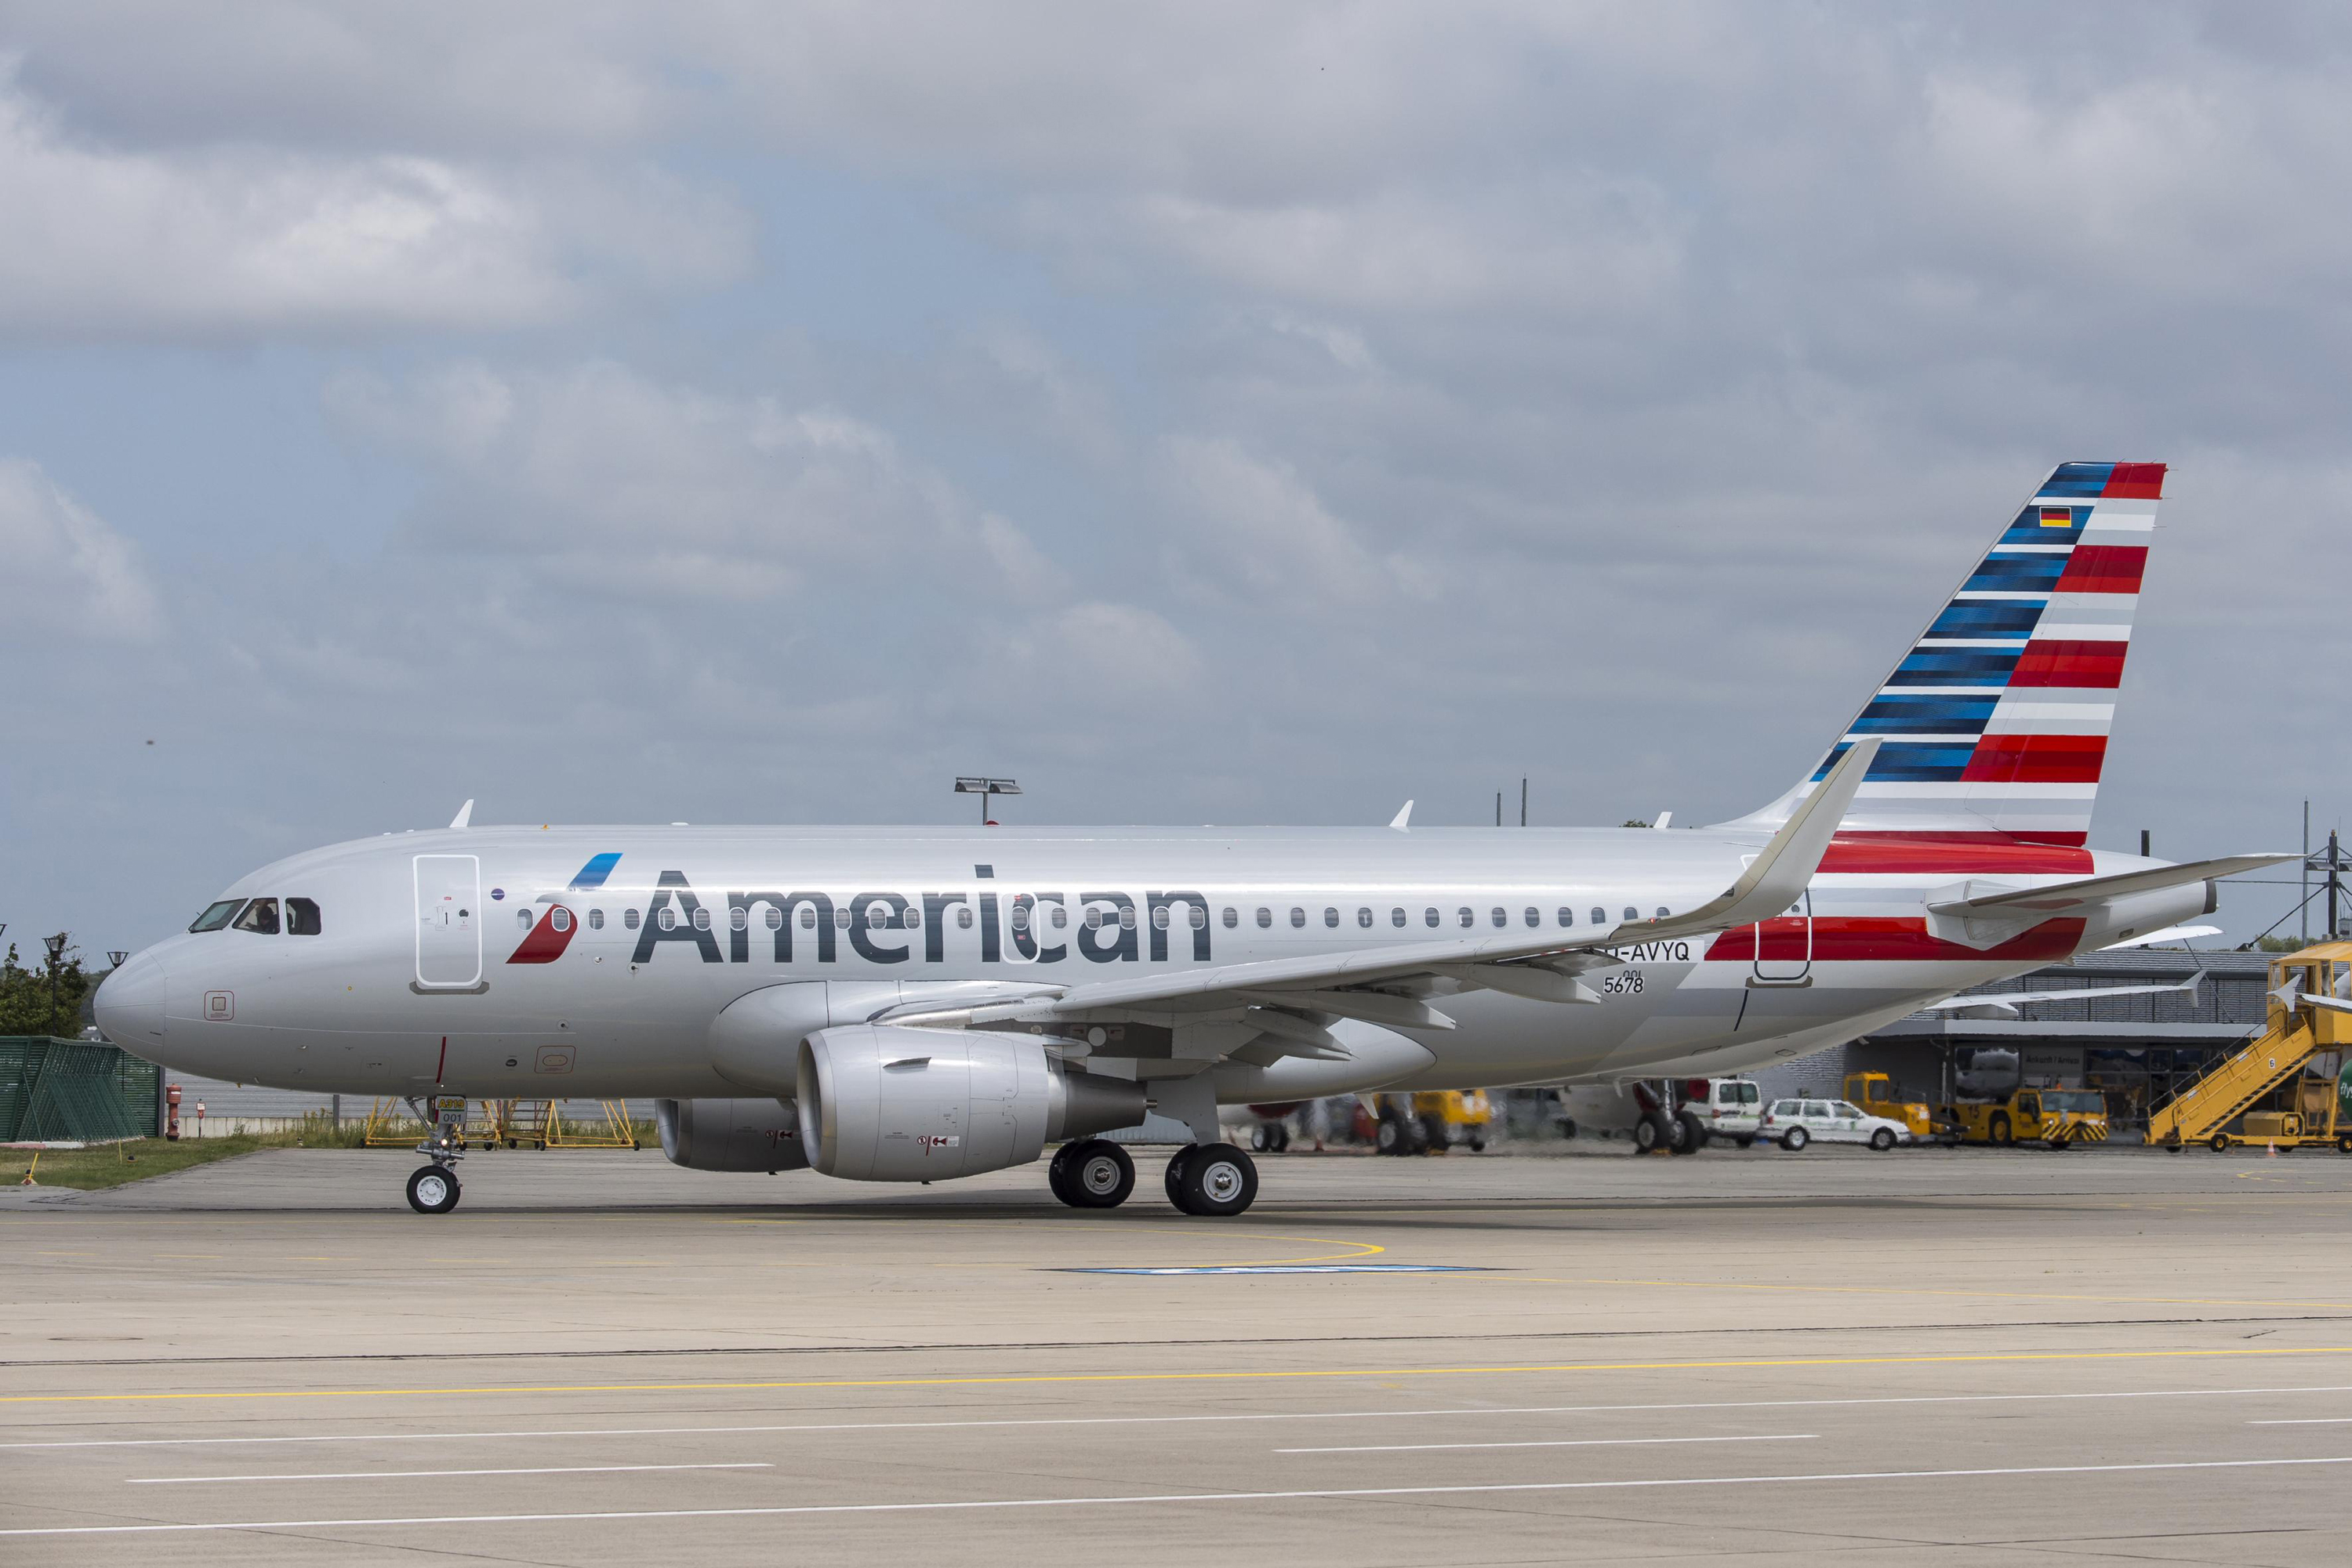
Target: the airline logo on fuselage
(1104, 927)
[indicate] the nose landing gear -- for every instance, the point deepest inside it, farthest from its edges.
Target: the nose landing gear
(433, 1188)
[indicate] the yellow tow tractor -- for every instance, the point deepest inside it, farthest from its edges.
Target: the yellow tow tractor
(2059, 1118)
(1875, 1092)
(1432, 1122)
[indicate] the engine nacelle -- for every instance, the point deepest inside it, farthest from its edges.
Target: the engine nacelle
(730, 1134)
(885, 1103)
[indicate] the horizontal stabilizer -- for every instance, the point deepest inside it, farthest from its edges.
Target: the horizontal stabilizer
(2058, 897)
(2005, 1003)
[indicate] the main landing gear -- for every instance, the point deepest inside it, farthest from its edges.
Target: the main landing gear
(1212, 1180)
(432, 1189)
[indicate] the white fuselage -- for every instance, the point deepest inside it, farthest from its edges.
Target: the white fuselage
(442, 960)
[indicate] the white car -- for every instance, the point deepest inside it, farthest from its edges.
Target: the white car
(1797, 1123)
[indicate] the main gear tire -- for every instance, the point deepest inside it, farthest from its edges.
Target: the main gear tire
(1100, 1175)
(1219, 1182)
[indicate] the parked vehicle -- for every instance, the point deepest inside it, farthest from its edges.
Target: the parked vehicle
(1729, 1108)
(1432, 1122)
(2059, 1118)
(1797, 1123)
(1875, 1093)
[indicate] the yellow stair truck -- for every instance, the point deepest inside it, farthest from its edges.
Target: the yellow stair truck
(2310, 1015)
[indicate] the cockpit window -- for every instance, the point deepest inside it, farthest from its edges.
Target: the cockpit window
(302, 917)
(216, 915)
(261, 915)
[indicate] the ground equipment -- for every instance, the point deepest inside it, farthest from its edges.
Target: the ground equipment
(2059, 1118)
(1433, 1120)
(1710, 1107)
(1875, 1093)
(2310, 1014)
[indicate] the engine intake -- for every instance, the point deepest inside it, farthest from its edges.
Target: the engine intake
(730, 1134)
(884, 1103)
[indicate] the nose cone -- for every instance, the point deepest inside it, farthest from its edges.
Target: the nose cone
(129, 1004)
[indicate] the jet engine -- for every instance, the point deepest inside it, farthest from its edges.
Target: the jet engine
(886, 1103)
(730, 1134)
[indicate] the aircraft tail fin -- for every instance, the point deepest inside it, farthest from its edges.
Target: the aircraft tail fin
(1994, 725)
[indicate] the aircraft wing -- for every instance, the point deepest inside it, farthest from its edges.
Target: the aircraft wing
(1544, 967)
(2005, 1003)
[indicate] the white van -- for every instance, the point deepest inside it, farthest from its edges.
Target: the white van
(1721, 1107)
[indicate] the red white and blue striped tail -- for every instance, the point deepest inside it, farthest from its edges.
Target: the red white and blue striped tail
(1994, 726)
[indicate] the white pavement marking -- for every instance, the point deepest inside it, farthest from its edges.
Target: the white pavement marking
(1559, 1443)
(1164, 1420)
(410, 1475)
(2306, 1421)
(1150, 1499)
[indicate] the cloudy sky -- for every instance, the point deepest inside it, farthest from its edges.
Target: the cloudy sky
(1206, 414)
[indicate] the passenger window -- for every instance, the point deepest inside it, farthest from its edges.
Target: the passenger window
(561, 919)
(840, 917)
(1020, 917)
(667, 919)
(1265, 917)
(1842, 1108)
(808, 919)
(702, 919)
(1661, 911)
(737, 919)
(1094, 919)
(216, 915)
(773, 918)
(1567, 916)
(1232, 917)
(1331, 917)
(302, 918)
(1197, 916)
(911, 918)
(1429, 917)
(1535, 916)
(1297, 917)
(1632, 913)
(260, 916)
(1363, 917)
(1396, 917)
(597, 919)
(1465, 918)
(522, 918)
(963, 918)
(629, 918)
(1127, 919)
(1061, 917)
(1159, 917)
(1499, 918)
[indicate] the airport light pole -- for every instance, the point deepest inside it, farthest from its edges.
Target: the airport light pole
(56, 946)
(985, 788)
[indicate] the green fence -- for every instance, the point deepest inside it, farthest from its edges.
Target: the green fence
(59, 1091)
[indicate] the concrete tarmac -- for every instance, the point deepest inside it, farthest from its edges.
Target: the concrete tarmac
(1936, 1356)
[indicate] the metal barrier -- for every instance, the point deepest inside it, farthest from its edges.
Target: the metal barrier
(73, 1091)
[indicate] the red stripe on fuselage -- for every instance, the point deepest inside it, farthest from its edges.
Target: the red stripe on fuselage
(1950, 854)
(543, 943)
(1860, 939)
(2038, 759)
(2060, 662)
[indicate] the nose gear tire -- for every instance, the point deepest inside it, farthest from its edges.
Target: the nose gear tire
(432, 1189)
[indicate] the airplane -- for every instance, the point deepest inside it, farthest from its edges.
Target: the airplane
(920, 1003)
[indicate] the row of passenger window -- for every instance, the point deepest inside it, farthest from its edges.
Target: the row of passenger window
(879, 917)
(260, 915)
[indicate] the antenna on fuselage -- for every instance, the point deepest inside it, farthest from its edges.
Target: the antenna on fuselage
(465, 815)
(984, 788)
